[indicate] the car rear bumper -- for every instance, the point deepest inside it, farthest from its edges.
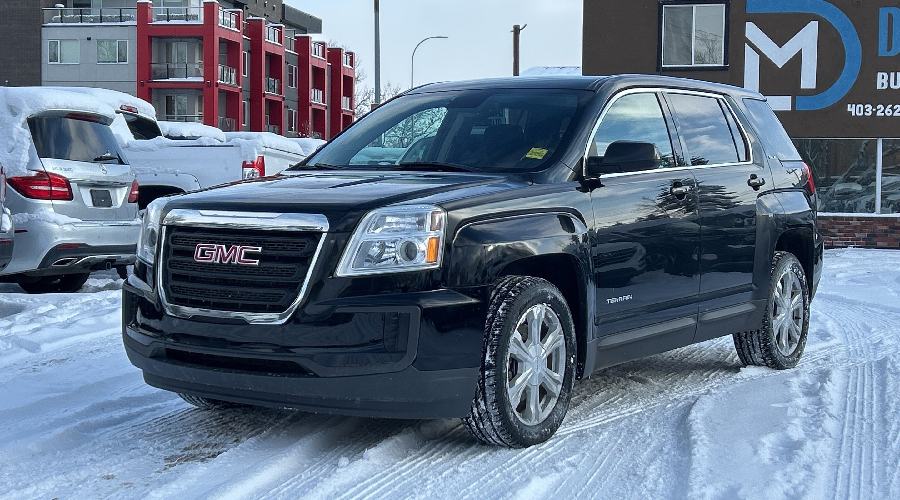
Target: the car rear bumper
(7, 232)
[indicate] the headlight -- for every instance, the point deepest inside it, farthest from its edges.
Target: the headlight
(148, 240)
(395, 239)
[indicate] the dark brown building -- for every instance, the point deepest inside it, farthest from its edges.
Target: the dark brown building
(830, 68)
(20, 26)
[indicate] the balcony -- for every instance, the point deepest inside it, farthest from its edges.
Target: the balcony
(178, 14)
(290, 44)
(227, 124)
(348, 60)
(227, 74)
(273, 86)
(184, 118)
(275, 129)
(89, 16)
(229, 19)
(345, 103)
(318, 50)
(173, 71)
(273, 34)
(317, 96)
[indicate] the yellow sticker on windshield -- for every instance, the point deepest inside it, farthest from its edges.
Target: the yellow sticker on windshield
(537, 153)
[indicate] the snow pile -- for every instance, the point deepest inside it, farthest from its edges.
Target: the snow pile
(17, 104)
(190, 130)
(252, 142)
(552, 70)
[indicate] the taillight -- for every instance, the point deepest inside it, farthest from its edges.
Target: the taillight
(254, 169)
(810, 183)
(43, 186)
(135, 191)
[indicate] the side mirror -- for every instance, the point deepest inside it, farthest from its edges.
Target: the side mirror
(624, 156)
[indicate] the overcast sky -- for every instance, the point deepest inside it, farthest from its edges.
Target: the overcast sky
(480, 43)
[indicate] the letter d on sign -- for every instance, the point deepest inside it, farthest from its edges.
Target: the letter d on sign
(888, 31)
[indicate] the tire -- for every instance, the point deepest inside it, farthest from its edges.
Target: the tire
(498, 415)
(780, 342)
(63, 283)
(209, 403)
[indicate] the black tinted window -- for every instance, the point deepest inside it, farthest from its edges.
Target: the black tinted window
(142, 128)
(72, 138)
(634, 118)
(776, 140)
(736, 135)
(704, 129)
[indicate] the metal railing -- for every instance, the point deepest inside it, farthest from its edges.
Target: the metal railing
(184, 118)
(273, 34)
(318, 50)
(290, 43)
(168, 71)
(227, 124)
(273, 86)
(317, 96)
(92, 16)
(348, 59)
(177, 14)
(227, 74)
(229, 19)
(345, 103)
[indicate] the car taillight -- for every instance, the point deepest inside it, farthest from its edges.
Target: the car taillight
(254, 169)
(135, 191)
(810, 183)
(43, 186)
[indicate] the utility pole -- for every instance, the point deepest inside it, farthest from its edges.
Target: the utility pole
(517, 30)
(377, 56)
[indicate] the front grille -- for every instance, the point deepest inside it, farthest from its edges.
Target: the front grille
(270, 287)
(268, 366)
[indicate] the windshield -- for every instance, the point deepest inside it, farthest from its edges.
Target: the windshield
(74, 138)
(499, 130)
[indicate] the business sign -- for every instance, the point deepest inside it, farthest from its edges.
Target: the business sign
(831, 67)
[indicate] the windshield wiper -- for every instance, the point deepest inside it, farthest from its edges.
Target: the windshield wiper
(107, 156)
(434, 166)
(317, 166)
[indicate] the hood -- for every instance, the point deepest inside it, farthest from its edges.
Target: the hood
(343, 196)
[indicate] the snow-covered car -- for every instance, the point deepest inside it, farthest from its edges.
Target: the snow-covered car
(71, 193)
(7, 229)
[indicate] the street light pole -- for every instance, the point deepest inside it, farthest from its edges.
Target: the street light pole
(517, 30)
(377, 56)
(412, 69)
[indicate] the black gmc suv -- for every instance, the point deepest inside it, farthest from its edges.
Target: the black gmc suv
(471, 249)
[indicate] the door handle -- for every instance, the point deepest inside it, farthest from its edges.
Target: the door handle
(680, 191)
(756, 182)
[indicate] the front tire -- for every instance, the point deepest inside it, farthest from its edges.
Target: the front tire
(528, 366)
(63, 283)
(780, 342)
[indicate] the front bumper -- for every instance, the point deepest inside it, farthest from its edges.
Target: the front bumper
(414, 355)
(48, 248)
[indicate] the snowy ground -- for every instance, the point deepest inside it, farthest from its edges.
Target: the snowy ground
(77, 421)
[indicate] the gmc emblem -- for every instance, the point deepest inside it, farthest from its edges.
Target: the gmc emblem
(220, 254)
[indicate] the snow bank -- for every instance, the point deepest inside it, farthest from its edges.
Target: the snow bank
(19, 103)
(190, 130)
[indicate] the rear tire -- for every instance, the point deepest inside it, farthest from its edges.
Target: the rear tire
(780, 342)
(209, 403)
(63, 283)
(528, 366)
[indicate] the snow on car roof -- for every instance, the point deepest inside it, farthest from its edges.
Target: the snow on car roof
(115, 99)
(251, 142)
(190, 130)
(17, 104)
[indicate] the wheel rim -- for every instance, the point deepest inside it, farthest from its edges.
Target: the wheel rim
(788, 312)
(535, 364)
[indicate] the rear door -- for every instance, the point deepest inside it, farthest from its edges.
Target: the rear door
(81, 148)
(646, 239)
(729, 183)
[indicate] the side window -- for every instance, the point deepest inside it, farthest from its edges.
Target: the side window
(704, 128)
(776, 140)
(739, 141)
(634, 118)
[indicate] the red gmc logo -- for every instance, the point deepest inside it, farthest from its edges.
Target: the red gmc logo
(220, 254)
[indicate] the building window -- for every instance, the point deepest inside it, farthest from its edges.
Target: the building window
(291, 120)
(246, 114)
(63, 52)
(176, 107)
(246, 65)
(112, 51)
(291, 76)
(693, 35)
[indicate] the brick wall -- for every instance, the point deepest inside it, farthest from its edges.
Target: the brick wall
(20, 35)
(869, 232)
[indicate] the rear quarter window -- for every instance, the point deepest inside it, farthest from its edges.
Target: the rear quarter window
(772, 133)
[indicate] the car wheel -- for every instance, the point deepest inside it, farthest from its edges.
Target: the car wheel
(780, 342)
(209, 403)
(528, 366)
(64, 283)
